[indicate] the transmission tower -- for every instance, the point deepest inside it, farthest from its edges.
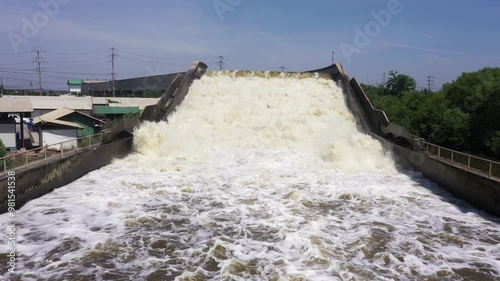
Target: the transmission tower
(283, 69)
(113, 55)
(221, 62)
(39, 60)
(430, 82)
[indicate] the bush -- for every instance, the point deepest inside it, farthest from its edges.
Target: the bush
(3, 153)
(495, 144)
(3, 150)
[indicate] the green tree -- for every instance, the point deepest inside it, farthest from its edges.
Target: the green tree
(397, 84)
(3, 150)
(478, 95)
(3, 153)
(464, 115)
(495, 144)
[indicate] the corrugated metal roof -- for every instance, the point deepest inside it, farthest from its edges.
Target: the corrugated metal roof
(99, 100)
(140, 102)
(53, 116)
(65, 123)
(54, 102)
(15, 104)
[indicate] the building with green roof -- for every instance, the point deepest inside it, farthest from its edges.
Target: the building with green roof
(75, 87)
(114, 113)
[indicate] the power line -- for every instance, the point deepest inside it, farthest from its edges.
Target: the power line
(221, 62)
(13, 54)
(84, 53)
(73, 61)
(29, 71)
(78, 65)
(61, 62)
(151, 56)
(134, 59)
(16, 69)
(76, 73)
(145, 61)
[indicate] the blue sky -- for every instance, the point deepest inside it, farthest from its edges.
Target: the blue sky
(438, 38)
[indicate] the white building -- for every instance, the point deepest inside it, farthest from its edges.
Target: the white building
(8, 126)
(63, 127)
(75, 87)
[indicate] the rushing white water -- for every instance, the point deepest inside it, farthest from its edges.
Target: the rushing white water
(255, 178)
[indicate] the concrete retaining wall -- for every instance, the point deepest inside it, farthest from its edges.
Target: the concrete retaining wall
(377, 119)
(36, 181)
(477, 190)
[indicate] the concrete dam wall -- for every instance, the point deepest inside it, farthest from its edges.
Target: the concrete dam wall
(480, 191)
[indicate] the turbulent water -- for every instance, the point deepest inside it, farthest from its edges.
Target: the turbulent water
(255, 178)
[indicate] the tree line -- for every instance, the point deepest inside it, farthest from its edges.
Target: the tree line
(464, 115)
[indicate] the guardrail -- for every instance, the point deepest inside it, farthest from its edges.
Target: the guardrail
(24, 158)
(470, 163)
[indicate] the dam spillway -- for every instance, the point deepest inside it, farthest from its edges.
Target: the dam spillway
(256, 176)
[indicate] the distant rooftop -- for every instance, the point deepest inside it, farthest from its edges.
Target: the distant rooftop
(80, 103)
(94, 81)
(15, 104)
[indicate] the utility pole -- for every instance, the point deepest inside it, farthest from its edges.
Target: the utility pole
(31, 86)
(283, 69)
(24, 82)
(383, 79)
(333, 56)
(1, 86)
(113, 55)
(39, 69)
(430, 82)
(221, 62)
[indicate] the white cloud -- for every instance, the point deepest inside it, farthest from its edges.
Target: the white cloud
(434, 50)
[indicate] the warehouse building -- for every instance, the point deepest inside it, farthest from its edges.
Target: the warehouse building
(133, 87)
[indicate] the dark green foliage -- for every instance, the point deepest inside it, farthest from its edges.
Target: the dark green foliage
(3, 150)
(495, 143)
(464, 115)
(3, 153)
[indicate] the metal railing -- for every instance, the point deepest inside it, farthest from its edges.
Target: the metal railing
(22, 159)
(470, 163)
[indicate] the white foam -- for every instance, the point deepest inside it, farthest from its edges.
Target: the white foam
(307, 116)
(232, 188)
